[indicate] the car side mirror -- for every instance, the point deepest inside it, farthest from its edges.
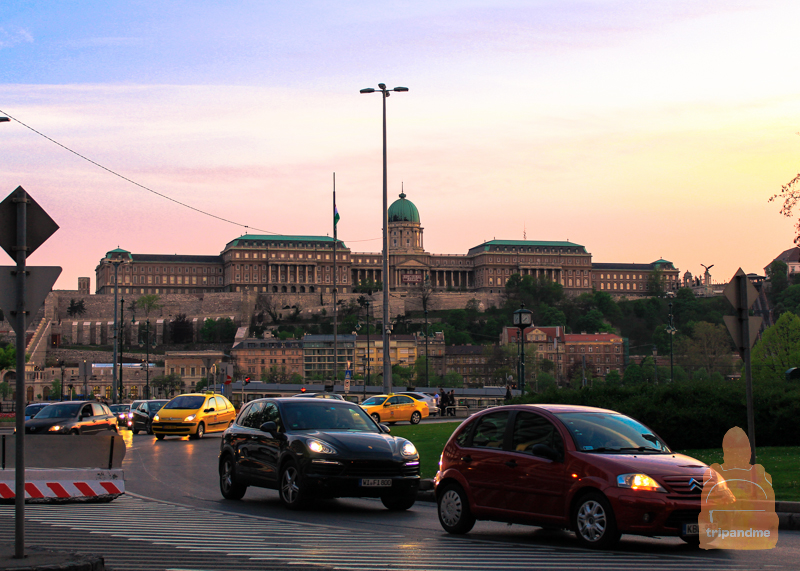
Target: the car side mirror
(385, 428)
(271, 427)
(545, 451)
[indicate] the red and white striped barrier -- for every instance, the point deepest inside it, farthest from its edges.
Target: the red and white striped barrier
(65, 485)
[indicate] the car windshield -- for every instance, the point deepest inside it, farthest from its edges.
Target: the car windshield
(610, 432)
(186, 402)
(119, 408)
(33, 409)
(156, 405)
(373, 401)
(319, 415)
(59, 411)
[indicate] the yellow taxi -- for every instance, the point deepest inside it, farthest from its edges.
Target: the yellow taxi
(395, 408)
(193, 415)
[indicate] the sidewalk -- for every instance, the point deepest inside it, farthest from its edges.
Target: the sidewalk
(39, 559)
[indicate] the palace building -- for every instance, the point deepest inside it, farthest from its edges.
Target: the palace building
(305, 264)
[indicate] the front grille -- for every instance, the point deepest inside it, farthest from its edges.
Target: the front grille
(687, 485)
(679, 517)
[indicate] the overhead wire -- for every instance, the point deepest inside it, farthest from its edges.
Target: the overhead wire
(148, 189)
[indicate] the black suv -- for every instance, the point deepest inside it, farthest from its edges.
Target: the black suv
(143, 412)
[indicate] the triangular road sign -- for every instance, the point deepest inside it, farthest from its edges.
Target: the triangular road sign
(732, 290)
(38, 284)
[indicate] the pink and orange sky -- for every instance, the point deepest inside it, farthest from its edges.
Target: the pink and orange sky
(639, 129)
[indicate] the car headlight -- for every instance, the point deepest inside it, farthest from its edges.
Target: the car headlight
(320, 447)
(54, 428)
(190, 418)
(409, 449)
(639, 482)
(155, 418)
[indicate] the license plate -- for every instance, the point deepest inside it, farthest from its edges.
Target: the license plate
(691, 529)
(375, 483)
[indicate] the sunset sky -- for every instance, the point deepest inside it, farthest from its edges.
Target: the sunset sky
(639, 129)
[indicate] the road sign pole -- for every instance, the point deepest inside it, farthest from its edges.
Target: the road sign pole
(21, 200)
(744, 319)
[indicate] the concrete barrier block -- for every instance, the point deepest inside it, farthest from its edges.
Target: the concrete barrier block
(64, 485)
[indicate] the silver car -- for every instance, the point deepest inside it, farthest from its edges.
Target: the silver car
(424, 397)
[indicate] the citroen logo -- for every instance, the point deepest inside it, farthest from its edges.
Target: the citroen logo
(695, 486)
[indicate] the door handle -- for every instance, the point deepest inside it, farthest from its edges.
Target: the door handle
(466, 459)
(511, 463)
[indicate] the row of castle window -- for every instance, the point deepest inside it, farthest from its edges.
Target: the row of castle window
(158, 270)
(163, 280)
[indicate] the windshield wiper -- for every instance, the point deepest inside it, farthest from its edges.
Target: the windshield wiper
(602, 449)
(642, 449)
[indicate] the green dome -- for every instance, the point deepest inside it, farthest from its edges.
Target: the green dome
(403, 211)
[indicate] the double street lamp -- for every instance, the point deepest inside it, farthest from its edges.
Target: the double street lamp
(387, 364)
(523, 319)
(116, 258)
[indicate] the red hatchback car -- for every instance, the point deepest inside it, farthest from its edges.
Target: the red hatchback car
(595, 471)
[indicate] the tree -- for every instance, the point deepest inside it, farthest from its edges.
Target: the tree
(452, 379)
(790, 194)
(655, 282)
(778, 350)
(76, 308)
(709, 348)
(633, 374)
(778, 276)
(167, 383)
(55, 389)
(5, 389)
(182, 329)
(148, 303)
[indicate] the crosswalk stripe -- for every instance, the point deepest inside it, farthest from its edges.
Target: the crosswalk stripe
(259, 539)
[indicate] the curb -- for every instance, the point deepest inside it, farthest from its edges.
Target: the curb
(788, 512)
(41, 559)
(64, 485)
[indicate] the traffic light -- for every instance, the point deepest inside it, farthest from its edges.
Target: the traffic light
(247, 380)
(303, 390)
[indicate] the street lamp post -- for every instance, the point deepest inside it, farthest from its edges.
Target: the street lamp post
(121, 344)
(387, 365)
(655, 364)
(427, 357)
(522, 319)
(116, 258)
(671, 331)
(63, 367)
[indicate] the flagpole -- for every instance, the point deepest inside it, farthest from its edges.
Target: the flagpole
(335, 325)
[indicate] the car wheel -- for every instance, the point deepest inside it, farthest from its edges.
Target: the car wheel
(691, 540)
(74, 432)
(594, 522)
(292, 494)
(201, 430)
(228, 481)
(454, 513)
(376, 416)
(415, 417)
(135, 430)
(160, 436)
(399, 503)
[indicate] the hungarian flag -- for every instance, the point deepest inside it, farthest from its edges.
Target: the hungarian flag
(335, 216)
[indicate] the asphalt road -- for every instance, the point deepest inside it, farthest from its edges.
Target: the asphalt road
(183, 472)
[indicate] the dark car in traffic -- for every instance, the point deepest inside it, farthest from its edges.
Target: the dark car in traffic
(73, 417)
(316, 448)
(32, 409)
(124, 416)
(142, 413)
(591, 470)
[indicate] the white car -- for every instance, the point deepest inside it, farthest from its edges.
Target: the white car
(426, 398)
